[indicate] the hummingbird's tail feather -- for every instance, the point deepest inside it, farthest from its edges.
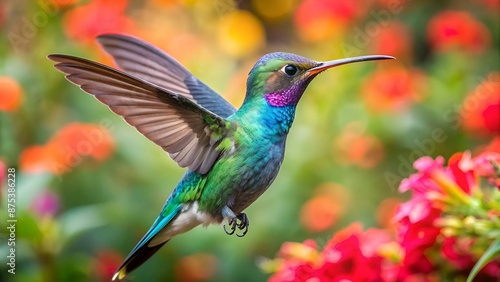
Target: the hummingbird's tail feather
(145, 248)
(135, 260)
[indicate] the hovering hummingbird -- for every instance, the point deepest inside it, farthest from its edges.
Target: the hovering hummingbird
(232, 155)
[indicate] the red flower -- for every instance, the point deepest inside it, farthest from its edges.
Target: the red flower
(66, 149)
(393, 89)
(350, 255)
(451, 29)
(318, 20)
(85, 22)
(384, 42)
(465, 178)
(457, 252)
(480, 113)
(105, 264)
(11, 94)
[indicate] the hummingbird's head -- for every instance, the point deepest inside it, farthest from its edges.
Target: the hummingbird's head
(283, 77)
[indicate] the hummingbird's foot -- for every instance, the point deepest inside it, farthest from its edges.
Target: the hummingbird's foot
(243, 225)
(241, 222)
(231, 222)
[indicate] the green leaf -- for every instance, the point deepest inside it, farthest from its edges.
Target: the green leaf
(490, 253)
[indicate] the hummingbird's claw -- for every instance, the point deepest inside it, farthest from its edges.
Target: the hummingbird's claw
(232, 223)
(241, 222)
(243, 225)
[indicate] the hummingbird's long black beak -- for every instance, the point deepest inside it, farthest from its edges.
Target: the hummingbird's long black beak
(326, 65)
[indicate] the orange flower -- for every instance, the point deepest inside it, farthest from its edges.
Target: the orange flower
(384, 43)
(493, 146)
(324, 209)
(35, 159)
(393, 89)
(85, 22)
(386, 211)
(451, 29)
(66, 149)
(198, 267)
(319, 213)
(11, 94)
(480, 113)
(355, 147)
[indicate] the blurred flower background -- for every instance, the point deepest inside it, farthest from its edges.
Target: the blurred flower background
(89, 185)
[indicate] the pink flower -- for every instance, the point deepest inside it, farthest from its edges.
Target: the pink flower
(3, 172)
(45, 204)
(484, 165)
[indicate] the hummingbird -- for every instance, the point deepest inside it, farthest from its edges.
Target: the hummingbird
(232, 155)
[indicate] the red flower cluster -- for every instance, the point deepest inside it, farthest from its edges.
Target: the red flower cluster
(433, 232)
(66, 149)
(453, 29)
(351, 255)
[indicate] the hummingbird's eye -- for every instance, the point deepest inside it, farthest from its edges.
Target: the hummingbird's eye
(290, 70)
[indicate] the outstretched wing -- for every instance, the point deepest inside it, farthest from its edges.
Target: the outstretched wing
(188, 132)
(151, 64)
